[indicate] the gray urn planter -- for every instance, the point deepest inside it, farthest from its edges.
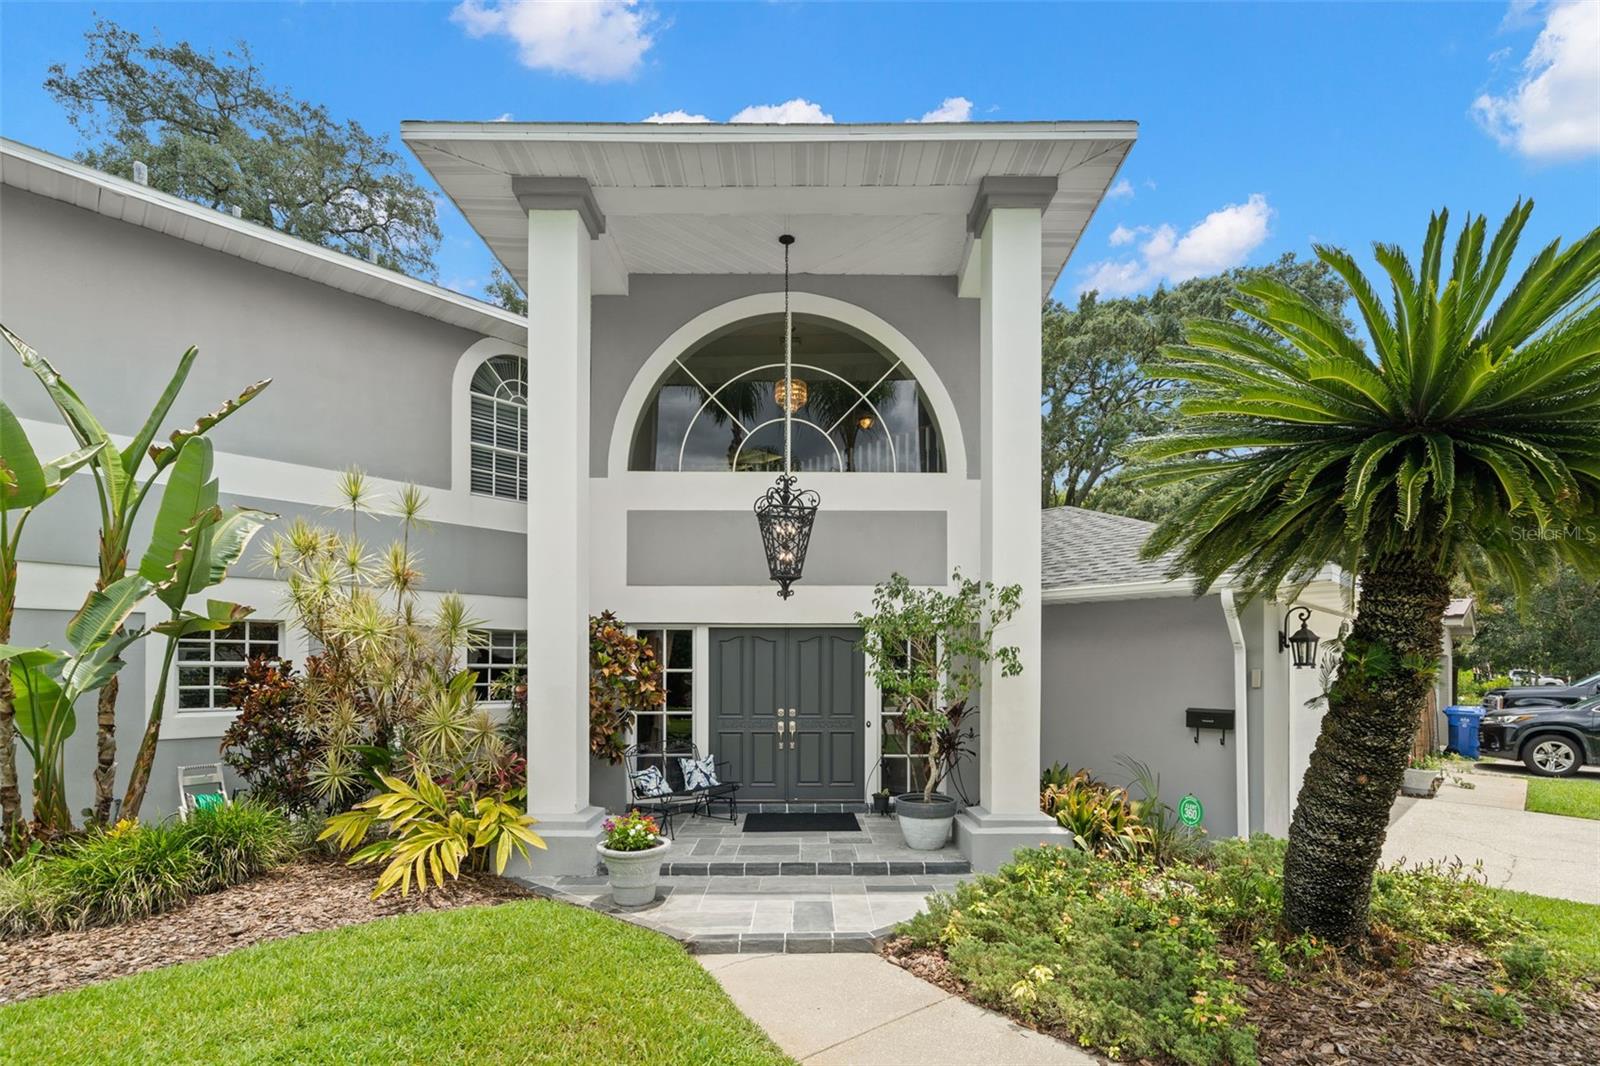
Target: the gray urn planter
(634, 874)
(1421, 783)
(925, 824)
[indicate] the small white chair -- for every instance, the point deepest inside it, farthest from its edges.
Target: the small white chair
(200, 786)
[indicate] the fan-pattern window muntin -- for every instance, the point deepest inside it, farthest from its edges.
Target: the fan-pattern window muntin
(499, 430)
(210, 663)
(494, 653)
(666, 731)
(871, 418)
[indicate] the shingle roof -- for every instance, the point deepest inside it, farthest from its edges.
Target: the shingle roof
(1094, 548)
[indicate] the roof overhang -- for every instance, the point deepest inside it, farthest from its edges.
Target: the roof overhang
(709, 198)
(44, 174)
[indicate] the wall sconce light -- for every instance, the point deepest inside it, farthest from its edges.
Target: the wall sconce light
(1303, 643)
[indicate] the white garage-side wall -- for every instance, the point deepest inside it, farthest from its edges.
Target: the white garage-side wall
(1118, 677)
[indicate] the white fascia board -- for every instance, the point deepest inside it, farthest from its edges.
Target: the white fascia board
(1119, 590)
(722, 133)
(405, 293)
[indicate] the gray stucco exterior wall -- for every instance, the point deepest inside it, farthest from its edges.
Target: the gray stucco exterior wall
(452, 557)
(1117, 679)
(848, 548)
(113, 306)
(626, 330)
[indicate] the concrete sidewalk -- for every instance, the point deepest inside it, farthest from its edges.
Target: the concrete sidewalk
(1545, 854)
(865, 1011)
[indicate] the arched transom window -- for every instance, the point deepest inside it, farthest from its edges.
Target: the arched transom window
(500, 428)
(856, 408)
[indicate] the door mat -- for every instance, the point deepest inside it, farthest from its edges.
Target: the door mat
(799, 822)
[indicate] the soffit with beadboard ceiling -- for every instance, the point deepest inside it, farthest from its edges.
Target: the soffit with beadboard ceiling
(27, 168)
(711, 199)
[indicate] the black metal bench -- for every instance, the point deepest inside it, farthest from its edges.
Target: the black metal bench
(681, 797)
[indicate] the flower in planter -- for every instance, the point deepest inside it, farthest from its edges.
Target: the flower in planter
(631, 832)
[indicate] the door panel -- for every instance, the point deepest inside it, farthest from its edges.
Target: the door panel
(747, 690)
(819, 675)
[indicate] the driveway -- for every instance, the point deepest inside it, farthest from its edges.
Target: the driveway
(1545, 854)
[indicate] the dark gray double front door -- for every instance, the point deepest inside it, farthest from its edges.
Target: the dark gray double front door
(788, 712)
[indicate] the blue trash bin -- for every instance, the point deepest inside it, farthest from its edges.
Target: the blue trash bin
(1464, 729)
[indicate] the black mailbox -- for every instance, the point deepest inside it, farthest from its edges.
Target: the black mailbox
(1198, 718)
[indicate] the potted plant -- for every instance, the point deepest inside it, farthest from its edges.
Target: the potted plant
(880, 801)
(633, 847)
(1423, 776)
(928, 650)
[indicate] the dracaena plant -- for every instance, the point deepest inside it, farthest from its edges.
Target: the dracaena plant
(1457, 435)
(124, 479)
(25, 483)
(387, 673)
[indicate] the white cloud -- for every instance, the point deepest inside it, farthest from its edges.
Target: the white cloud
(1123, 235)
(679, 115)
(1553, 112)
(505, 116)
(1122, 188)
(796, 110)
(599, 41)
(954, 109)
(1220, 241)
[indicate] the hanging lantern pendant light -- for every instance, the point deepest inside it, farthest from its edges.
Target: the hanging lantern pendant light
(783, 513)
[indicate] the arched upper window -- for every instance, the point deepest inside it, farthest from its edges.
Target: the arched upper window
(499, 431)
(855, 407)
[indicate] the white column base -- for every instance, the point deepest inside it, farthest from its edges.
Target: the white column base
(988, 840)
(569, 841)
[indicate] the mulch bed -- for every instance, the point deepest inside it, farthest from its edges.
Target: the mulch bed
(312, 894)
(1371, 1015)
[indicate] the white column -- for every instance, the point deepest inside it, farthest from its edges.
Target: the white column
(1009, 222)
(1011, 383)
(558, 540)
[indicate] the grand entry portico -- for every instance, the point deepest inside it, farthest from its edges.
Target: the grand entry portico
(650, 258)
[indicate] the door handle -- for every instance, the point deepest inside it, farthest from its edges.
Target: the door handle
(791, 727)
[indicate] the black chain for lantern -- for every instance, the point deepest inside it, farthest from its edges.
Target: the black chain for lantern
(784, 513)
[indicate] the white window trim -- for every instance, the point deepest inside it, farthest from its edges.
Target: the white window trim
(468, 664)
(506, 510)
(212, 663)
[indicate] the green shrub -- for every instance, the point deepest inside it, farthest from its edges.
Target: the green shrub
(110, 876)
(19, 896)
(132, 870)
(1136, 958)
(1117, 954)
(236, 841)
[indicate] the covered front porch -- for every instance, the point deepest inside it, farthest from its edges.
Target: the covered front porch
(643, 250)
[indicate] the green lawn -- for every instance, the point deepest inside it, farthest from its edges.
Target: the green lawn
(531, 982)
(1573, 926)
(1575, 797)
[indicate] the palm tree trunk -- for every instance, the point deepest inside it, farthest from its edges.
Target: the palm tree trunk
(1342, 814)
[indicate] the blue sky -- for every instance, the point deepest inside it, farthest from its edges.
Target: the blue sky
(1263, 126)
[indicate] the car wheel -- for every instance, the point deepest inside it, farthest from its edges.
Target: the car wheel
(1551, 756)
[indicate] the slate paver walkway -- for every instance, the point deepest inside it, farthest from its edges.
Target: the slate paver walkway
(861, 1009)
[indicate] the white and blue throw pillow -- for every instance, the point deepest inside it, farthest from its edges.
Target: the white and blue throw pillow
(649, 782)
(699, 773)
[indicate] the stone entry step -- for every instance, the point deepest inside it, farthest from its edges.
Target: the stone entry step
(763, 915)
(715, 847)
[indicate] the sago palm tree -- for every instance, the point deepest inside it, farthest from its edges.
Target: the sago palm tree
(1452, 439)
